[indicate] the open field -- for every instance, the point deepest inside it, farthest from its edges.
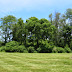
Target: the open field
(35, 62)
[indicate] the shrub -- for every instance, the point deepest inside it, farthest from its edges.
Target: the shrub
(2, 49)
(39, 50)
(54, 50)
(31, 49)
(67, 49)
(35, 51)
(45, 47)
(58, 50)
(11, 46)
(22, 49)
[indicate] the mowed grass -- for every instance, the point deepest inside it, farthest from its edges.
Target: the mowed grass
(35, 62)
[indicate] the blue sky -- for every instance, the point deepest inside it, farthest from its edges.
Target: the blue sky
(30, 8)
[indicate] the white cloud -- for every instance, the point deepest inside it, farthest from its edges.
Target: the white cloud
(17, 5)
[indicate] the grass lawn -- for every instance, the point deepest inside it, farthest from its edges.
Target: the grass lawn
(35, 62)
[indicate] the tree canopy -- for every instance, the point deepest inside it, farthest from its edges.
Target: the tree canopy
(41, 35)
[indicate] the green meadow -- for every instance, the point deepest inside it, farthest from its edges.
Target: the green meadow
(35, 62)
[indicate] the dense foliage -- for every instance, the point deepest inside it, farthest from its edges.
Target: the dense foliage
(34, 35)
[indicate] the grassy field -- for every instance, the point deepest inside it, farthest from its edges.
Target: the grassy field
(35, 62)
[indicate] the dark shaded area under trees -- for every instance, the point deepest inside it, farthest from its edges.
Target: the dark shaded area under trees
(34, 35)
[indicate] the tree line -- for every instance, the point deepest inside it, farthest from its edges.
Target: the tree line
(37, 35)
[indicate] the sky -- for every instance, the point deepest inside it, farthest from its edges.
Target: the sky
(28, 8)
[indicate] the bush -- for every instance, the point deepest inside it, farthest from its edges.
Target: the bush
(35, 51)
(67, 49)
(11, 46)
(2, 49)
(54, 50)
(45, 47)
(58, 50)
(31, 49)
(39, 50)
(22, 49)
